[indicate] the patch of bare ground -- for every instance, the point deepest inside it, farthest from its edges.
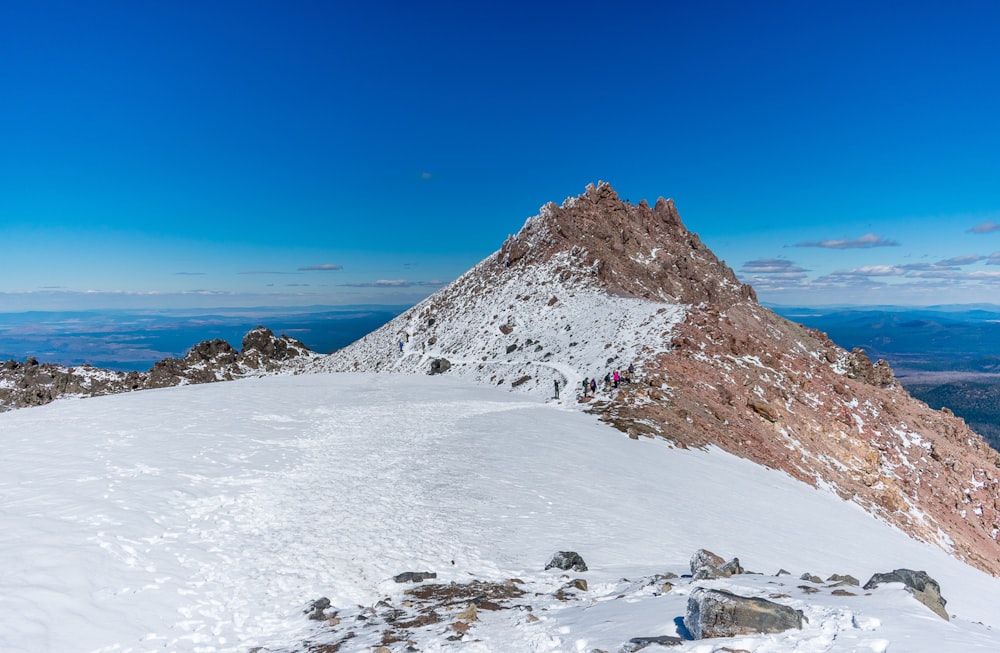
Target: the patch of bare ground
(452, 607)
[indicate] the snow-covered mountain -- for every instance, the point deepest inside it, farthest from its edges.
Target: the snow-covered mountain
(418, 511)
(598, 285)
(213, 518)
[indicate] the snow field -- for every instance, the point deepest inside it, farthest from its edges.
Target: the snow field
(205, 518)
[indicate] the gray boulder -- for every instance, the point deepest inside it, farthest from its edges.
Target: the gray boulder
(639, 643)
(707, 565)
(317, 609)
(439, 366)
(923, 588)
(567, 560)
(414, 576)
(717, 613)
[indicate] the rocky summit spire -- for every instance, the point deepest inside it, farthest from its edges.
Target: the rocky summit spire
(633, 249)
(598, 285)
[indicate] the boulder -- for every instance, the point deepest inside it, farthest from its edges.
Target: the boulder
(639, 643)
(731, 568)
(705, 565)
(843, 580)
(414, 576)
(439, 366)
(567, 560)
(923, 588)
(703, 558)
(717, 613)
(316, 610)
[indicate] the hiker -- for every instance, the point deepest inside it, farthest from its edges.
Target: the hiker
(401, 346)
(586, 384)
(617, 377)
(593, 387)
(556, 383)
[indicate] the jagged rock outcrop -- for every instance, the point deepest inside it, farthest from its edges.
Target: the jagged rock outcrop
(262, 350)
(203, 364)
(707, 565)
(598, 284)
(633, 250)
(33, 384)
(924, 588)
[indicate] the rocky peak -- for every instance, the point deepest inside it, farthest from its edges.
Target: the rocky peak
(597, 285)
(262, 344)
(634, 250)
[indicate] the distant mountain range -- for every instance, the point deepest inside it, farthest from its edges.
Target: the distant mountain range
(916, 341)
(947, 356)
(135, 340)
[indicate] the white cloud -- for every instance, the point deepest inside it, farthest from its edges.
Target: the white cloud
(864, 242)
(322, 267)
(985, 227)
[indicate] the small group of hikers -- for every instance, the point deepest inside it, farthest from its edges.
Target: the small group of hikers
(611, 379)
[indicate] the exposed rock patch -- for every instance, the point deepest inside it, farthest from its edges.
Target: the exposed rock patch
(33, 384)
(425, 616)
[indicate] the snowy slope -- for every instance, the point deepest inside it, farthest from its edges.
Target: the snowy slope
(519, 332)
(205, 518)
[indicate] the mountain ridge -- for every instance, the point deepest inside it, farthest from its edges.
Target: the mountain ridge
(596, 285)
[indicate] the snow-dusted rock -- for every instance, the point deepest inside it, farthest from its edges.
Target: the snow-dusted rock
(924, 588)
(567, 560)
(639, 643)
(718, 613)
(705, 564)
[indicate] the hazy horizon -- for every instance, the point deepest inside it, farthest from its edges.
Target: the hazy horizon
(134, 339)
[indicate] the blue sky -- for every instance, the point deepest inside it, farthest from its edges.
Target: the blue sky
(167, 154)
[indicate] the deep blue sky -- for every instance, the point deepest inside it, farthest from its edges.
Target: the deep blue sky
(165, 154)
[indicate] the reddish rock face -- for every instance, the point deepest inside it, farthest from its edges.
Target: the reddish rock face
(636, 251)
(763, 388)
(744, 379)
